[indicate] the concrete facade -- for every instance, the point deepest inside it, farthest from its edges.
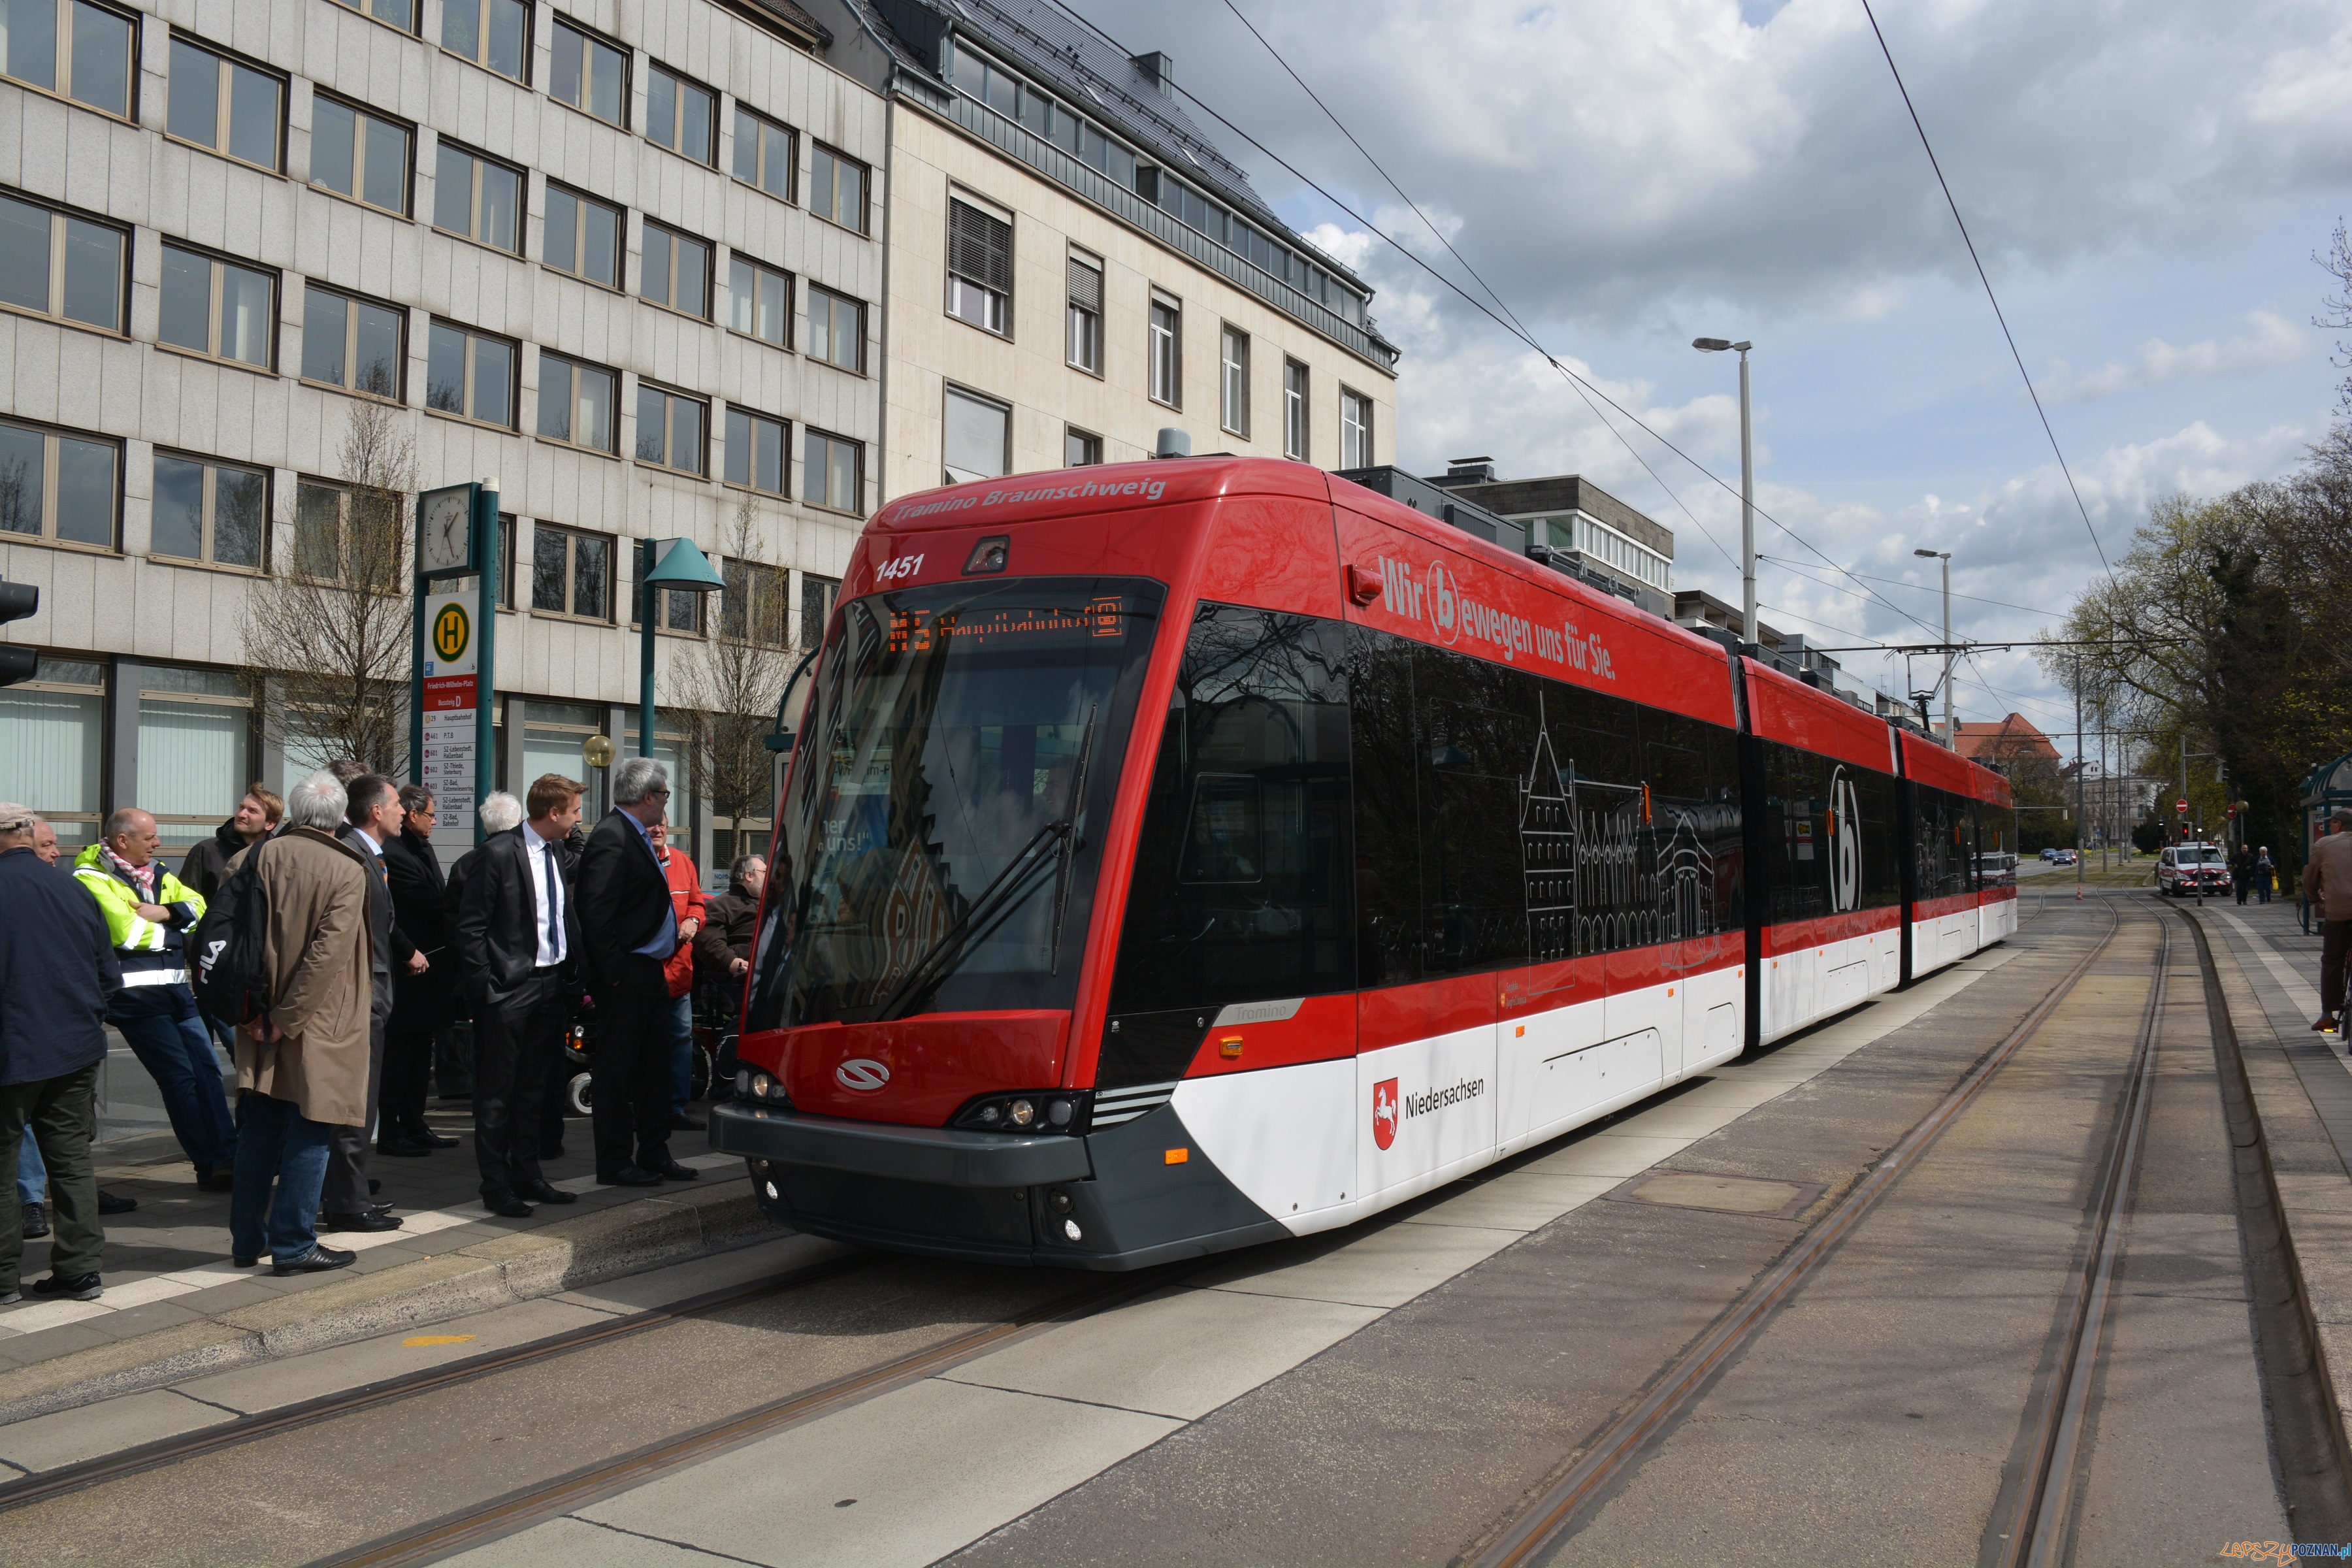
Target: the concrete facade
(120, 601)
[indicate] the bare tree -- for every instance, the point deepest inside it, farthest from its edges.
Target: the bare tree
(730, 682)
(2336, 309)
(326, 636)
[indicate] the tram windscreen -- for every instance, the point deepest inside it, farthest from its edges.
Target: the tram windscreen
(921, 862)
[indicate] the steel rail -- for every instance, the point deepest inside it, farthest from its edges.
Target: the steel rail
(1546, 1519)
(530, 1505)
(2044, 1506)
(250, 1429)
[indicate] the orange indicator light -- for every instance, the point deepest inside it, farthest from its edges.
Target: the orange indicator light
(1177, 1156)
(1230, 1047)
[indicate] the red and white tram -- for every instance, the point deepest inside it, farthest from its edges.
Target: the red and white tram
(1189, 854)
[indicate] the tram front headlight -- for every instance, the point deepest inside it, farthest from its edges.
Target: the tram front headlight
(761, 1085)
(1022, 1112)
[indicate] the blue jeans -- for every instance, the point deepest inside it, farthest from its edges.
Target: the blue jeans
(179, 1057)
(32, 1176)
(681, 1052)
(276, 1143)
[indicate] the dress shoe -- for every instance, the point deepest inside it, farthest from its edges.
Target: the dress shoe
(403, 1148)
(538, 1189)
(671, 1171)
(110, 1203)
(371, 1220)
(318, 1260)
(75, 1288)
(238, 1260)
(628, 1177)
(550, 1151)
(430, 1139)
(679, 1121)
(37, 1221)
(217, 1182)
(506, 1205)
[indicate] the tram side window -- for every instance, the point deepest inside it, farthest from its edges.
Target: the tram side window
(1832, 826)
(1476, 725)
(1692, 768)
(1946, 856)
(1241, 885)
(1388, 809)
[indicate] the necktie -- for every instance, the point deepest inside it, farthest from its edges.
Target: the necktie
(554, 902)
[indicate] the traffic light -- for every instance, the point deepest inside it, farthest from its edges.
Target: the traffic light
(18, 600)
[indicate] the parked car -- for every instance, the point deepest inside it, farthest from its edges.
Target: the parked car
(2182, 870)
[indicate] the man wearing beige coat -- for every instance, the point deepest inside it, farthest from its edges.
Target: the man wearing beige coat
(302, 1068)
(2328, 881)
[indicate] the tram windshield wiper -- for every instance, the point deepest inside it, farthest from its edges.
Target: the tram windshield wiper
(1008, 888)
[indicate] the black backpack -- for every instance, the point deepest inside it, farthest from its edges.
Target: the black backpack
(226, 950)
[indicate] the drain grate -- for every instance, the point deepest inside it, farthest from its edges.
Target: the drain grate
(1755, 1196)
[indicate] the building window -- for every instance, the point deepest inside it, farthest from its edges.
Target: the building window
(670, 427)
(359, 154)
(591, 75)
(763, 153)
(195, 750)
(570, 573)
(978, 437)
(675, 270)
(759, 301)
(1234, 382)
(209, 511)
(980, 267)
(217, 308)
(346, 534)
(1166, 357)
(1080, 449)
(354, 343)
(755, 606)
(837, 188)
(492, 33)
(400, 13)
(1355, 430)
(477, 197)
(65, 46)
(817, 596)
(756, 446)
(584, 237)
(226, 106)
(1294, 410)
(57, 487)
(471, 375)
(681, 116)
(52, 736)
(829, 472)
(575, 403)
(1084, 348)
(56, 265)
(836, 328)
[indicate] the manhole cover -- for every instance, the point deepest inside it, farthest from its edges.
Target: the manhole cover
(1719, 1195)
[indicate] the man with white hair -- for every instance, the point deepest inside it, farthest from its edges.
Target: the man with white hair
(630, 928)
(58, 967)
(302, 1068)
(454, 1056)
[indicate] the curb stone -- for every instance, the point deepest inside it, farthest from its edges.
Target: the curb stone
(567, 1255)
(2312, 1187)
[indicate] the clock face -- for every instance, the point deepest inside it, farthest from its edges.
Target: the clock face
(448, 542)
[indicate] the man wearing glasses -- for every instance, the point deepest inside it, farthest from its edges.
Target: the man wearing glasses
(629, 926)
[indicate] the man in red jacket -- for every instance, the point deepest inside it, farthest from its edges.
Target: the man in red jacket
(686, 898)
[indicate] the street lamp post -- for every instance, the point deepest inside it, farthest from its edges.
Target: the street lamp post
(1951, 736)
(1746, 487)
(679, 565)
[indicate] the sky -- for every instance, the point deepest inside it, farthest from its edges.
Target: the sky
(2146, 184)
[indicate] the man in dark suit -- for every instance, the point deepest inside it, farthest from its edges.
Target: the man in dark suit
(420, 998)
(518, 938)
(630, 926)
(453, 1061)
(374, 818)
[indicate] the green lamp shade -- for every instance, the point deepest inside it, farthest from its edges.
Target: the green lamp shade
(683, 566)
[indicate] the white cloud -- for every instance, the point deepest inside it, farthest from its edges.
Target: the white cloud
(2271, 340)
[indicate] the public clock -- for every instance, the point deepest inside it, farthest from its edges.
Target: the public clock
(448, 544)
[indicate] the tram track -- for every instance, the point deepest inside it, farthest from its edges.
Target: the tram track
(51, 1484)
(1556, 1509)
